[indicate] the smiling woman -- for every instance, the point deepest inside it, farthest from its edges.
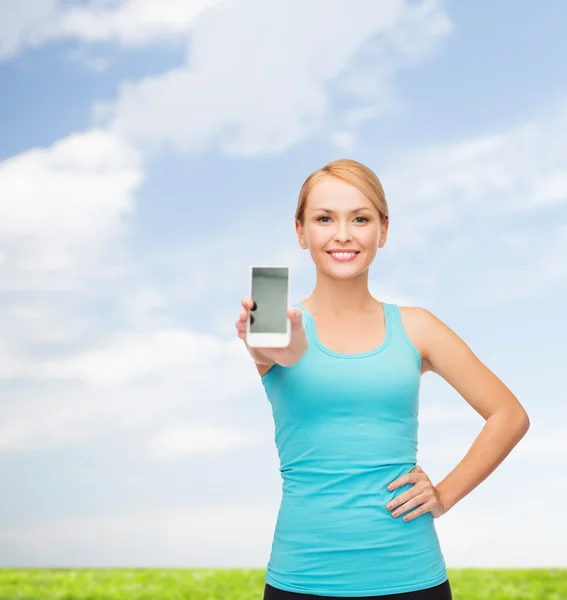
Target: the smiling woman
(357, 512)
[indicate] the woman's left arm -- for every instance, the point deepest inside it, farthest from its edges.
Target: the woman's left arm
(446, 354)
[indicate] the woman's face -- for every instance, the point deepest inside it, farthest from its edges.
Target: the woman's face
(344, 227)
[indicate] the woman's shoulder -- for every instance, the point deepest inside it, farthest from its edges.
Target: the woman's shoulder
(418, 323)
(415, 316)
(433, 338)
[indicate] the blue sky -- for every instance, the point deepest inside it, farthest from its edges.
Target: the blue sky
(147, 161)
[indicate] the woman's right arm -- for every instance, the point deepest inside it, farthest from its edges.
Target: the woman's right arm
(265, 358)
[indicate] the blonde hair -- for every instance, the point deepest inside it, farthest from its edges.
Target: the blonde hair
(353, 172)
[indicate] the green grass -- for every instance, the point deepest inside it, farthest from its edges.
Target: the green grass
(247, 584)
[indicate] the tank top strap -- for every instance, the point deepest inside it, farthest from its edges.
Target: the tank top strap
(391, 318)
(306, 317)
(398, 330)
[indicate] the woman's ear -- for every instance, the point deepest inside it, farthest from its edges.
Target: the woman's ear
(383, 234)
(300, 234)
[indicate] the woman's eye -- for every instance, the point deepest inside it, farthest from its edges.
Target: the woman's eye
(325, 217)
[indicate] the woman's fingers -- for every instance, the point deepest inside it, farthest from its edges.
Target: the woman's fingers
(247, 302)
(295, 318)
(293, 313)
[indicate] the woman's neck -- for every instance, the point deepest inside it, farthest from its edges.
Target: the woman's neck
(336, 297)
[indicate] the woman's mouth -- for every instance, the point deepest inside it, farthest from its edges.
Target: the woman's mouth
(344, 256)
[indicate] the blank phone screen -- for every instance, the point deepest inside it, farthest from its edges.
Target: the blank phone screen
(270, 292)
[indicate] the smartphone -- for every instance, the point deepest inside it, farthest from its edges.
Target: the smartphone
(270, 289)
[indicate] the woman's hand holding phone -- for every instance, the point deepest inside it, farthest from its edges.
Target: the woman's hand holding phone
(286, 357)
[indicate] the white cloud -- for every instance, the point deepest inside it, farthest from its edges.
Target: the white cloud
(197, 440)
(11, 366)
(142, 383)
(37, 322)
(456, 206)
(513, 170)
(133, 22)
(493, 538)
(62, 209)
(134, 356)
(344, 140)
(23, 23)
(146, 306)
(260, 94)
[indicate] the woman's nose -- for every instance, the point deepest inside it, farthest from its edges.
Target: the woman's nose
(343, 232)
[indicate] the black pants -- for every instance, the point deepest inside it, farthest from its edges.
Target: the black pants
(438, 592)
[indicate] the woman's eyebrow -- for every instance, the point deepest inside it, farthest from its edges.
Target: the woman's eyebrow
(328, 210)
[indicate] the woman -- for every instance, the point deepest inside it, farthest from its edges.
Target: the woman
(356, 515)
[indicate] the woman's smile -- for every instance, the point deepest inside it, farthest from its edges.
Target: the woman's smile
(344, 256)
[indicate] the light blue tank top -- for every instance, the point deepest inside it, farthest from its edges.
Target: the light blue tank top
(345, 427)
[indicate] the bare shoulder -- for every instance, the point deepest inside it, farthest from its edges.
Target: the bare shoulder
(427, 332)
(433, 338)
(415, 323)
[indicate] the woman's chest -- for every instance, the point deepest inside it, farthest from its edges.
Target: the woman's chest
(320, 386)
(352, 335)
